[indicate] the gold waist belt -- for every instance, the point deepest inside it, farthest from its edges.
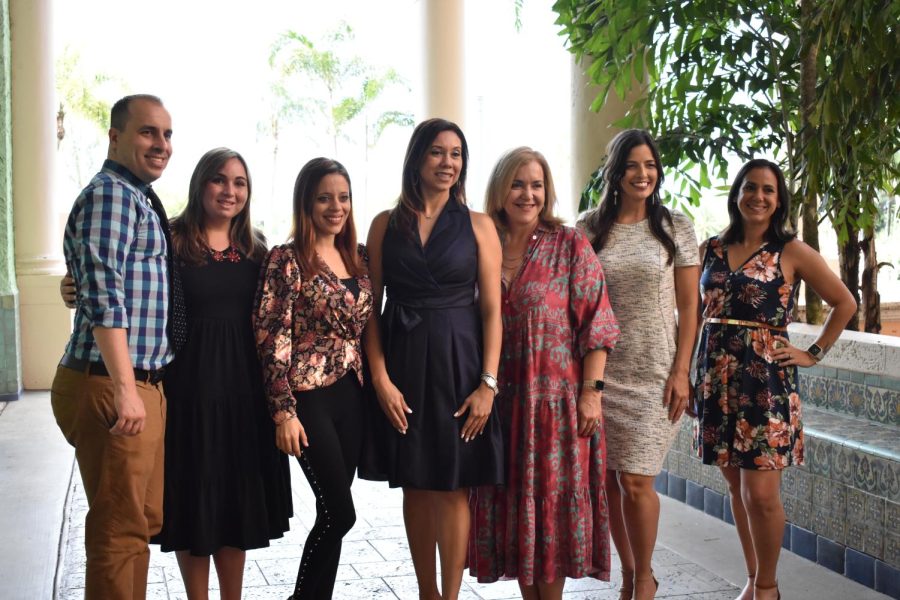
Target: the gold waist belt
(745, 324)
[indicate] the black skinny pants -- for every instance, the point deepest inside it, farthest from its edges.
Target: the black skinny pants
(333, 419)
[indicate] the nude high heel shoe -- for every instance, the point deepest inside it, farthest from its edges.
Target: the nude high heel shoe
(626, 592)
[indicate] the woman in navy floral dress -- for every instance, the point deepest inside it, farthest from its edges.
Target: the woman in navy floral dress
(749, 410)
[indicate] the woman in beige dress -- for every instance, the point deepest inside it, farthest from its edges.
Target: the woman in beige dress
(649, 255)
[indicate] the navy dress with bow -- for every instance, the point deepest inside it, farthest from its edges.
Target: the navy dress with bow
(431, 328)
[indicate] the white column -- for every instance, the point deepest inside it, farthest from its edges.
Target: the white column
(591, 131)
(444, 60)
(45, 321)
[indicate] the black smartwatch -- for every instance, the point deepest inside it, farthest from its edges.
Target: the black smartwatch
(593, 384)
(816, 351)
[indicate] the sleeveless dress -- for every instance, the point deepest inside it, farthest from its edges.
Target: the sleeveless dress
(642, 293)
(748, 406)
(431, 334)
(226, 483)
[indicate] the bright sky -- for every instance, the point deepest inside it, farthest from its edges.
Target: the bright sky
(208, 60)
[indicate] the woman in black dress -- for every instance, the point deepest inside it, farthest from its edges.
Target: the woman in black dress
(227, 489)
(315, 300)
(435, 361)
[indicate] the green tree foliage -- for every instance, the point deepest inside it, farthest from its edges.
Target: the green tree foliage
(77, 90)
(714, 74)
(852, 156)
(723, 77)
(325, 83)
(83, 117)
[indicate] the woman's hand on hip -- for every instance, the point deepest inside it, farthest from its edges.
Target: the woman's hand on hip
(393, 404)
(677, 394)
(787, 355)
(479, 405)
(290, 437)
(589, 412)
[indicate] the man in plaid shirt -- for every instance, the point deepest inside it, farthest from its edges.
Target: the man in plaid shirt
(107, 397)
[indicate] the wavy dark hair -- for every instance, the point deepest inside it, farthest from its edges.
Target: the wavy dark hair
(188, 228)
(778, 230)
(411, 201)
(303, 234)
(500, 183)
(598, 222)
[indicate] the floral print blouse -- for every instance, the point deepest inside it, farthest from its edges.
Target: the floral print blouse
(308, 329)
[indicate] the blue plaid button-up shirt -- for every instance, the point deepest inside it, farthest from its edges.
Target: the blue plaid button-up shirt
(116, 251)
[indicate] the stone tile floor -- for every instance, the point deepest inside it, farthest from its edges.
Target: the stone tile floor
(375, 561)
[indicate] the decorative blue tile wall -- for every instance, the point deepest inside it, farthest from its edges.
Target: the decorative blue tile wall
(859, 567)
(803, 542)
(830, 554)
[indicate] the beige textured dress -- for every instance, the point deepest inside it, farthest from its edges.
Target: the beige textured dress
(642, 293)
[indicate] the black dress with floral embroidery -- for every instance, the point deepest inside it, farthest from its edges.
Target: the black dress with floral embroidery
(748, 405)
(226, 483)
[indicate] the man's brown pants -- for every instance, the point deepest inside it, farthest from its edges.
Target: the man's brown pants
(122, 477)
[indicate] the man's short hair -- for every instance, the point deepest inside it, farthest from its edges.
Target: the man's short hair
(118, 116)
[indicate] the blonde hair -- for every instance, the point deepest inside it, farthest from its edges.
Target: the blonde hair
(501, 180)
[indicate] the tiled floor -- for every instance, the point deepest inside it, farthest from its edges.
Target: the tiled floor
(697, 555)
(375, 561)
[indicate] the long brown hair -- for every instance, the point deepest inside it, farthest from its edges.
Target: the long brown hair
(304, 233)
(501, 180)
(599, 221)
(411, 201)
(778, 230)
(188, 236)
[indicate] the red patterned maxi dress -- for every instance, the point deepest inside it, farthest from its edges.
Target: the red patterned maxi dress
(551, 519)
(749, 409)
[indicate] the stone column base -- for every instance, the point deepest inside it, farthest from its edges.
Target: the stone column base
(46, 325)
(10, 348)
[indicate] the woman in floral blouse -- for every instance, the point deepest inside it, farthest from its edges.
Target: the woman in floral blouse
(550, 521)
(314, 302)
(750, 424)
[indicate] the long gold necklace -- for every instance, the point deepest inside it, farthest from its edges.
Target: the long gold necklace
(510, 267)
(513, 265)
(514, 259)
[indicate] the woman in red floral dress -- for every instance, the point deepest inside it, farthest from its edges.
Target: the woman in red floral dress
(550, 520)
(750, 425)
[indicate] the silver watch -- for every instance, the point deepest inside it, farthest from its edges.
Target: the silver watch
(491, 381)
